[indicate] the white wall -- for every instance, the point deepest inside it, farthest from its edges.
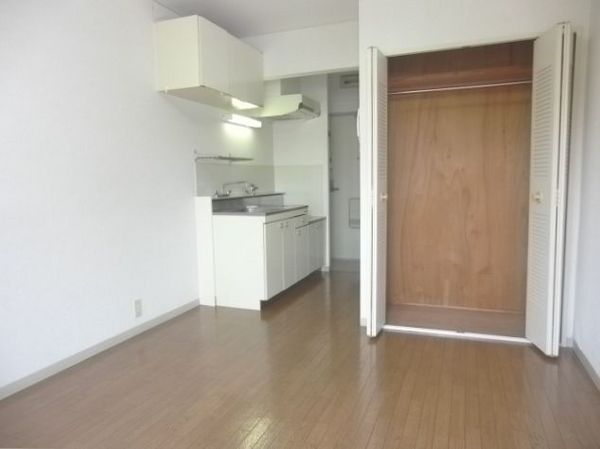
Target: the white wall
(409, 26)
(300, 154)
(405, 26)
(96, 181)
(587, 303)
(309, 51)
(341, 100)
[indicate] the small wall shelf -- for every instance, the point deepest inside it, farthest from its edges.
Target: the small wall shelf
(217, 157)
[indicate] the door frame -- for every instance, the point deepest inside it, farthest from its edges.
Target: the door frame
(573, 188)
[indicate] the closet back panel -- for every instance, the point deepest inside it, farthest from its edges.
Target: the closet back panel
(458, 188)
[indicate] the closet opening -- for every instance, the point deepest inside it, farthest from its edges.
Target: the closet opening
(459, 145)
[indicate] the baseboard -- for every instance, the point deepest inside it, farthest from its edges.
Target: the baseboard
(587, 365)
(211, 301)
(61, 365)
(567, 343)
(345, 265)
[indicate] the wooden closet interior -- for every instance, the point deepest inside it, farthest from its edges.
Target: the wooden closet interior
(458, 183)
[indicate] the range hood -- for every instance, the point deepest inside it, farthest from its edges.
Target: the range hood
(288, 107)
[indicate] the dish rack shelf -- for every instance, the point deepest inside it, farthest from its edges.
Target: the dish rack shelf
(219, 157)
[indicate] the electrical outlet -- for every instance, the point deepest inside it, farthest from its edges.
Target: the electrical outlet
(137, 305)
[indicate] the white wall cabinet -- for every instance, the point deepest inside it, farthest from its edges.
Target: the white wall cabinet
(257, 257)
(245, 72)
(200, 61)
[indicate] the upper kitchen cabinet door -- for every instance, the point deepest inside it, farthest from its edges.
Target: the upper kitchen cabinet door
(245, 72)
(254, 73)
(192, 53)
(178, 51)
(214, 65)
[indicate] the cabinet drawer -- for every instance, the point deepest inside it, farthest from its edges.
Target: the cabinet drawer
(286, 215)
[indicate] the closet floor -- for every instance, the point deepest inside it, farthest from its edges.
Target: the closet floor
(484, 322)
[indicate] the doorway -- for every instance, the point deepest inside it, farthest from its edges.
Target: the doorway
(459, 125)
(344, 172)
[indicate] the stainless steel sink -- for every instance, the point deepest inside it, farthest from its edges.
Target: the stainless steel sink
(248, 208)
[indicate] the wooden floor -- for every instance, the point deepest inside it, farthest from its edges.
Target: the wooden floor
(510, 324)
(301, 374)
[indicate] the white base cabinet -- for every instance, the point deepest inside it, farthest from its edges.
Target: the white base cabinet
(258, 257)
(316, 231)
(274, 258)
(239, 255)
(289, 256)
(302, 252)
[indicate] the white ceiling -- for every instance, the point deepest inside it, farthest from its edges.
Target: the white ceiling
(244, 18)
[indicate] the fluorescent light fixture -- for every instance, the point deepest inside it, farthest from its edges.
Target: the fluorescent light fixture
(242, 120)
(241, 105)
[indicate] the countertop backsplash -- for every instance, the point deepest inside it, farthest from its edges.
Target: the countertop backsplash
(211, 177)
(239, 203)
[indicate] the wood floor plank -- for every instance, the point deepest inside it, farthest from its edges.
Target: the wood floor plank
(300, 375)
(456, 431)
(472, 406)
(385, 419)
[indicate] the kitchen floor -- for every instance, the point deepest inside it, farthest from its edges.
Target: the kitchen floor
(301, 374)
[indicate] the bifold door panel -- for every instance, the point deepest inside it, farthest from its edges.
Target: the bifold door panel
(552, 66)
(377, 116)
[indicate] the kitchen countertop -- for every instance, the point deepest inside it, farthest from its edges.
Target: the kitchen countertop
(239, 197)
(314, 219)
(261, 211)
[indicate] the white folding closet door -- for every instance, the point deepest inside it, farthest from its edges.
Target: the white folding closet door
(376, 116)
(552, 64)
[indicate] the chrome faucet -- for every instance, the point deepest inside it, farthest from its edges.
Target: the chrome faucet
(249, 188)
(218, 194)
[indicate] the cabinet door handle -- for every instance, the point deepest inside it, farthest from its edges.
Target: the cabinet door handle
(537, 197)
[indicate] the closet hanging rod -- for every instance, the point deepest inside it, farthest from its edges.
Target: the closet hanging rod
(474, 86)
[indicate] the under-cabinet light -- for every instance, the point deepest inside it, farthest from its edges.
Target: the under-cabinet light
(236, 103)
(242, 120)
